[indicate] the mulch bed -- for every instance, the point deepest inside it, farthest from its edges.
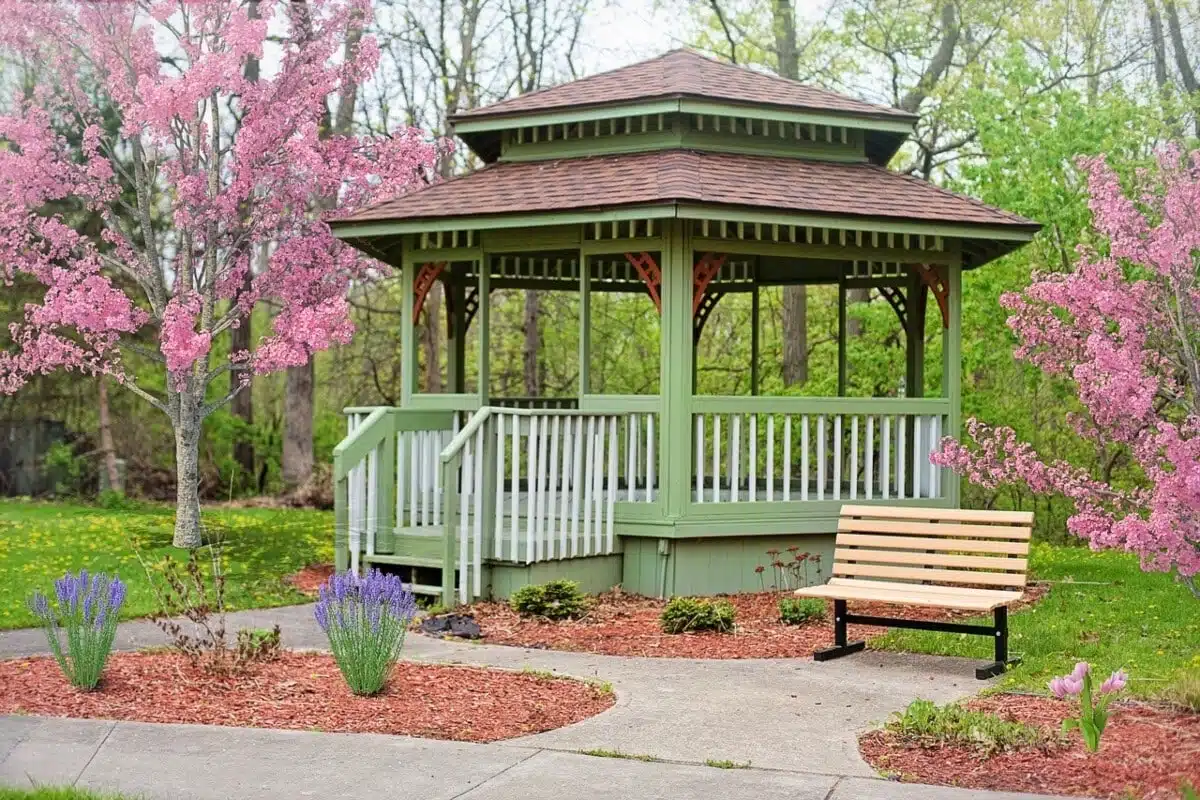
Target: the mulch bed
(623, 624)
(305, 691)
(309, 579)
(1145, 752)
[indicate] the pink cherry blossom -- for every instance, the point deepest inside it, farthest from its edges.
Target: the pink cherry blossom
(1121, 327)
(204, 169)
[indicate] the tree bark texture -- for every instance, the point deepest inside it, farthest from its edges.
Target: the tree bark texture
(107, 449)
(188, 418)
(431, 339)
(532, 344)
(242, 405)
(297, 463)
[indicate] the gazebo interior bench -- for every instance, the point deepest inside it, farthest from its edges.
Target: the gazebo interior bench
(933, 557)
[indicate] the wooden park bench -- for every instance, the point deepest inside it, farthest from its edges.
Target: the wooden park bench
(938, 557)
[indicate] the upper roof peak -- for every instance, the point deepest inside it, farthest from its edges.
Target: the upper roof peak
(685, 73)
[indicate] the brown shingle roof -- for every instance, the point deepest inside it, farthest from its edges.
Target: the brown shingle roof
(684, 73)
(786, 184)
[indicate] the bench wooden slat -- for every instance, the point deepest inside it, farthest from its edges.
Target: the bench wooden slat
(943, 575)
(948, 514)
(927, 588)
(930, 559)
(932, 528)
(884, 593)
(921, 543)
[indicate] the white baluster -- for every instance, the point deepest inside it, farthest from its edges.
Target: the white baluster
(900, 433)
(372, 497)
(918, 446)
(854, 458)
(716, 459)
(735, 458)
(869, 478)
(590, 486)
(770, 458)
(837, 457)
(576, 483)
(597, 468)
(787, 458)
(612, 484)
(477, 467)
(515, 489)
(564, 509)
(426, 482)
(935, 437)
(552, 524)
(821, 457)
(464, 554)
(532, 546)
(400, 482)
(651, 461)
(885, 440)
(414, 478)
(498, 529)
(699, 458)
(752, 468)
(804, 457)
(435, 449)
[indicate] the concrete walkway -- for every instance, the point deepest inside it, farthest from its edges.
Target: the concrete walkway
(794, 721)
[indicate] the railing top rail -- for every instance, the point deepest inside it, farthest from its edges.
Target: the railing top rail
(821, 405)
(358, 443)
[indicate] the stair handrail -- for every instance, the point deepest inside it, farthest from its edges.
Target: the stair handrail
(484, 413)
(359, 443)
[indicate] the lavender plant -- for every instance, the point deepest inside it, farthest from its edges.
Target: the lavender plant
(365, 619)
(86, 611)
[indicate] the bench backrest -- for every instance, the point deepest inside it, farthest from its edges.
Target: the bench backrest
(943, 546)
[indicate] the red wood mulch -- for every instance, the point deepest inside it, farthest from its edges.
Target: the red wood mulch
(309, 579)
(1145, 752)
(623, 624)
(305, 691)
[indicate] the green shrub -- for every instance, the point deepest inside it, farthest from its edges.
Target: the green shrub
(932, 724)
(685, 614)
(799, 610)
(557, 599)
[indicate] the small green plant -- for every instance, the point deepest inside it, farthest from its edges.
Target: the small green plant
(1187, 791)
(1093, 705)
(685, 614)
(931, 724)
(555, 600)
(1183, 691)
(86, 612)
(258, 644)
(68, 471)
(600, 752)
(725, 763)
(799, 610)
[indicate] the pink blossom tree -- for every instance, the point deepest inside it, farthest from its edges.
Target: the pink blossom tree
(1124, 327)
(210, 168)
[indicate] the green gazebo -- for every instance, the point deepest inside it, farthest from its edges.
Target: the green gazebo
(684, 179)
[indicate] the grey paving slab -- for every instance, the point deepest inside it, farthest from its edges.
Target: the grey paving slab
(197, 762)
(45, 750)
(555, 776)
(868, 789)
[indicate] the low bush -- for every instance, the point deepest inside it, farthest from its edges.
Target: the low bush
(258, 645)
(365, 619)
(555, 600)
(931, 724)
(1183, 691)
(684, 614)
(799, 610)
(86, 611)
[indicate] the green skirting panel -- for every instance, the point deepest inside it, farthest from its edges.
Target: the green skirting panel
(716, 565)
(594, 574)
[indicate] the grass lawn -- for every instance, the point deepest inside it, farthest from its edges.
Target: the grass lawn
(40, 541)
(1102, 609)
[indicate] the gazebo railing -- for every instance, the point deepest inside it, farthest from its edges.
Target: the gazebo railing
(785, 449)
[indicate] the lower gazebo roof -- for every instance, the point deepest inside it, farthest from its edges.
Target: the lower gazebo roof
(844, 190)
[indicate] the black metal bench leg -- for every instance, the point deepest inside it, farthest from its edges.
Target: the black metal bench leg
(1002, 661)
(840, 646)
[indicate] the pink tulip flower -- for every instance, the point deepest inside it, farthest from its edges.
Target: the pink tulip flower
(1115, 682)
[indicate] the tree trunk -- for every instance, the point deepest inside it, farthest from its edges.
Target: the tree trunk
(106, 441)
(529, 352)
(854, 326)
(188, 530)
(795, 335)
(242, 405)
(795, 298)
(297, 463)
(431, 339)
